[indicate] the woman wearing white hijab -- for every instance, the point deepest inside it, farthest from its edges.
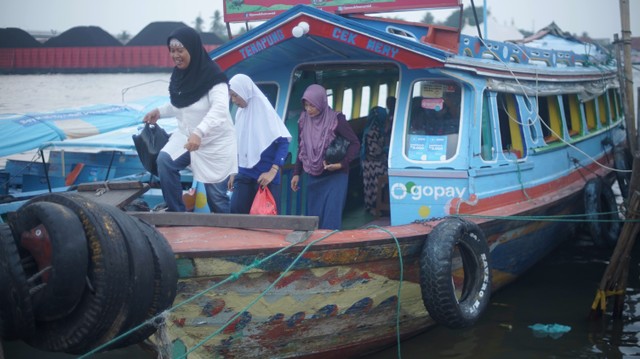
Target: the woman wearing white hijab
(263, 144)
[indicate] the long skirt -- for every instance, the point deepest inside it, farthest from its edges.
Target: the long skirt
(371, 170)
(326, 196)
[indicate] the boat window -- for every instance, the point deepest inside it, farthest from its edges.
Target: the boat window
(351, 89)
(590, 112)
(612, 105)
(551, 122)
(365, 101)
(614, 100)
(270, 91)
(510, 125)
(434, 120)
(532, 129)
(487, 142)
(571, 108)
(602, 109)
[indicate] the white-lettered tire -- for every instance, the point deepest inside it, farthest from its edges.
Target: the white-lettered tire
(447, 305)
(603, 221)
(622, 163)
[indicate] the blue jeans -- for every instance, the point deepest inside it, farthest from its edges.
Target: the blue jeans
(217, 198)
(169, 174)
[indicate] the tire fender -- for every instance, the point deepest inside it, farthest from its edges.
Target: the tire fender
(54, 236)
(439, 278)
(601, 213)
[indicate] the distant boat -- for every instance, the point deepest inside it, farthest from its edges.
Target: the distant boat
(27, 131)
(474, 197)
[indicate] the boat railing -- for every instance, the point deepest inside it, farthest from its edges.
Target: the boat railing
(475, 47)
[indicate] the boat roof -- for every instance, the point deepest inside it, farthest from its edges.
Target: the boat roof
(334, 37)
(305, 35)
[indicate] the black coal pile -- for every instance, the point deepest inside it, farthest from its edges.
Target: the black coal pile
(83, 36)
(155, 33)
(14, 38)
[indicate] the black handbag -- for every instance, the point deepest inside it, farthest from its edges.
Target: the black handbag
(337, 150)
(148, 143)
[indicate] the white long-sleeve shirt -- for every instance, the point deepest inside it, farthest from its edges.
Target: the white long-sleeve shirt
(210, 119)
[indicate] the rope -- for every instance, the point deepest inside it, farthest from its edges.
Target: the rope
(252, 303)
(161, 316)
(563, 218)
(399, 286)
(163, 346)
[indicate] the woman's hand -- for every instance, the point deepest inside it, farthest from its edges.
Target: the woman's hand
(332, 167)
(266, 177)
(294, 183)
(193, 143)
(230, 183)
(152, 117)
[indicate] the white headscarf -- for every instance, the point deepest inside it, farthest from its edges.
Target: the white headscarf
(257, 125)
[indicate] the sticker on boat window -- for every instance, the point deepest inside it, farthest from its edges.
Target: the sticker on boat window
(427, 148)
(432, 103)
(431, 89)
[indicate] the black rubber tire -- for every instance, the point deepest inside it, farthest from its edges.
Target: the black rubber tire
(102, 307)
(622, 163)
(165, 269)
(436, 284)
(598, 199)
(16, 310)
(142, 278)
(69, 257)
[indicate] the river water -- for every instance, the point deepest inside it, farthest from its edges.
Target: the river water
(558, 290)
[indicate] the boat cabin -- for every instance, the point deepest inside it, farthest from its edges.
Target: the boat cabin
(474, 119)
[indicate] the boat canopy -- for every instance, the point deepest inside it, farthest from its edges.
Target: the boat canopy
(117, 140)
(280, 42)
(24, 132)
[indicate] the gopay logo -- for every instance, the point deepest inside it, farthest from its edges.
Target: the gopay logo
(416, 192)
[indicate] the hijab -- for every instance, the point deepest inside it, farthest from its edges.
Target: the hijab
(258, 124)
(317, 132)
(189, 85)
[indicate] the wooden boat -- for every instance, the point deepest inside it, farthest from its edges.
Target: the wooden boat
(470, 206)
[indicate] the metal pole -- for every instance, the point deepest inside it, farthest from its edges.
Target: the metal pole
(484, 18)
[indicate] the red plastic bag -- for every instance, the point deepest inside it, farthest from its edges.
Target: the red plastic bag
(263, 203)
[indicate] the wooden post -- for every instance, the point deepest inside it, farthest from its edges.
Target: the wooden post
(614, 280)
(627, 87)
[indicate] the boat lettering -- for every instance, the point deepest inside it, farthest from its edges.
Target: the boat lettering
(262, 44)
(400, 191)
(344, 35)
(382, 48)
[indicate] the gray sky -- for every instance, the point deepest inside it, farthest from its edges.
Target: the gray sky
(599, 18)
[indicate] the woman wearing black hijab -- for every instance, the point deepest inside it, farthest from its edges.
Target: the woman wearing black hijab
(205, 137)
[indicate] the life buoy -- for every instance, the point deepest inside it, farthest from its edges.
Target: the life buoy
(621, 160)
(601, 213)
(53, 236)
(446, 303)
